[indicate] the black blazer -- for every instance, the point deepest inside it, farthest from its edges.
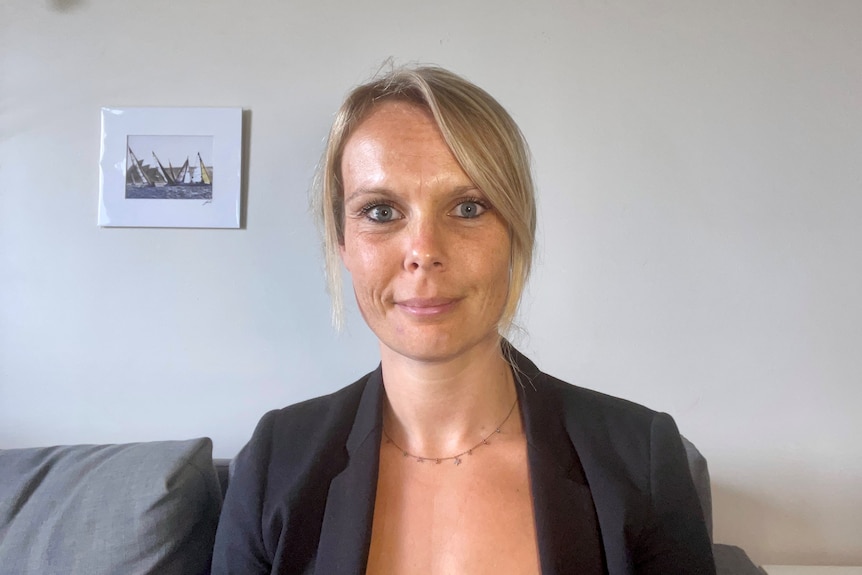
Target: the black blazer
(612, 493)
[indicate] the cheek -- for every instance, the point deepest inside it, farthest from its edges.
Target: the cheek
(370, 268)
(354, 253)
(365, 252)
(496, 260)
(502, 269)
(363, 261)
(489, 272)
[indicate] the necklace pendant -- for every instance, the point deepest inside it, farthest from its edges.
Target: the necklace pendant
(457, 461)
(437, 462)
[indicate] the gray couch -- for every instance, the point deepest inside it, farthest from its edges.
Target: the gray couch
(149, 508)
(143, 508)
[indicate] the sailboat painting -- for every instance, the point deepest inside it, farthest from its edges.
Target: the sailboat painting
(169, 167)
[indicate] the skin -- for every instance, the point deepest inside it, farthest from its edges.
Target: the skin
(428, 256)
(429, 260)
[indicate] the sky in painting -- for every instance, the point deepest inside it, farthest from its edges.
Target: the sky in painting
(173, 149)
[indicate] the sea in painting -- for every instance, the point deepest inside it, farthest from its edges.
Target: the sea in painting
(168, 192)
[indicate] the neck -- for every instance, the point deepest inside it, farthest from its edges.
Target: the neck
(440, 408)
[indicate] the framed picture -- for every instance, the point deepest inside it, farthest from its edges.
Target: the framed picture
(170, 167)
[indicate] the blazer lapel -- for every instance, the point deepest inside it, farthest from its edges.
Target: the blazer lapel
(566, 525)
(345, 535)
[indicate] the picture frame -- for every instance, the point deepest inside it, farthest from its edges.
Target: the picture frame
(170, 167)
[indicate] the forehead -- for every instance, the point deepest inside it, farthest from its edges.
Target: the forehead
(394, 127)
(396, 136)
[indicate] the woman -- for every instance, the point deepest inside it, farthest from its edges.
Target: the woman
(456, 455)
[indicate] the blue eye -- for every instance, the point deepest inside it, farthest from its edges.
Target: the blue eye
(381, 213)
(469, 209)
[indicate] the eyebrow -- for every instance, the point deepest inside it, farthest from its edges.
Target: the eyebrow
(382, 191)
(367, 192)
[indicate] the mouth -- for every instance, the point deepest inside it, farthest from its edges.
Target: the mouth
(425, 307)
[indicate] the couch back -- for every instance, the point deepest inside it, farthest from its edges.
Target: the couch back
(223, 472)
(148, 508)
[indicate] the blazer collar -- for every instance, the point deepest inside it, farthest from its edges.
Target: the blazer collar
(567, 527)
(345, 536)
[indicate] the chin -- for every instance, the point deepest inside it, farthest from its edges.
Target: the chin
(438, 347)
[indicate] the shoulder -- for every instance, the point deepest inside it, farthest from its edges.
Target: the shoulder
(310, 416)
(603, 414)
(297, 440)
(280, 479)
(617, 438)
(636, 469)
(608, 433)
(580, 408)
(601, 405)
(634, 431)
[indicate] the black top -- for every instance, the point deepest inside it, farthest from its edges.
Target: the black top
(611, 489)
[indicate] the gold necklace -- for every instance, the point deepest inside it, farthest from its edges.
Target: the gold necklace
(456, 458)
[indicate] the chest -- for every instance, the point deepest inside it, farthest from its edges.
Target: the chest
(474, 518)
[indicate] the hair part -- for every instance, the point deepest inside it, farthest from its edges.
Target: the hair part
(483, 138)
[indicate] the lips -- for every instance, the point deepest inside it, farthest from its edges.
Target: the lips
(427, 306)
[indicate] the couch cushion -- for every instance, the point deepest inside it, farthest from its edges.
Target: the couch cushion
(93, 509)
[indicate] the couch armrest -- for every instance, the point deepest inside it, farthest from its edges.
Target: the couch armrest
(731, 560)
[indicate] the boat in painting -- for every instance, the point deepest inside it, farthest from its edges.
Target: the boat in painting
(167, 182)
(205, 176)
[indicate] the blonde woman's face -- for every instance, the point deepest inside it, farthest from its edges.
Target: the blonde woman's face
(428, 254)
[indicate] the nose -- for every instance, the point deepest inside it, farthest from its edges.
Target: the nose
(425, 248)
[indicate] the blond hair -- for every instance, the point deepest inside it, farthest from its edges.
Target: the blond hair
(482, 136)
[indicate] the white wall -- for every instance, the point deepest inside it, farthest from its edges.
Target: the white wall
(699, 165)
